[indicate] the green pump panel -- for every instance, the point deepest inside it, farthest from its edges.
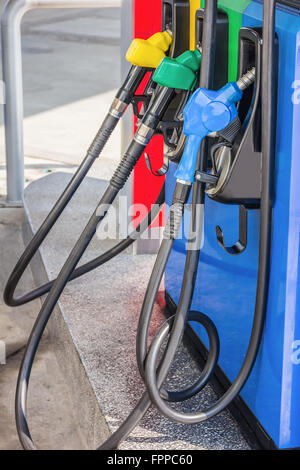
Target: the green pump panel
(234, 10)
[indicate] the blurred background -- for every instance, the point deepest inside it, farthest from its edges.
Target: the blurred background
(71, 68)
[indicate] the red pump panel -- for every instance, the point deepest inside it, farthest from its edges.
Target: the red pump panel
(147, 21)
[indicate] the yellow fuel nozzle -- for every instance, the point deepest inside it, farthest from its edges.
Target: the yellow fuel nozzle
(149, 53)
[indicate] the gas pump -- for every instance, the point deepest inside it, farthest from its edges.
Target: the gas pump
(228, 144)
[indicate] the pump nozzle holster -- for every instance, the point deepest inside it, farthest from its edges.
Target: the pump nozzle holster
(207, 111)
(148, 53)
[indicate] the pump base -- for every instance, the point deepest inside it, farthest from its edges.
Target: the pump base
(251, 428)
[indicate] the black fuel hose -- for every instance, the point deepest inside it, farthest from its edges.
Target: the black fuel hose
(96, 262)
(173, 224)
(144, 403)
(122, 100)
(176, 326)
(149, 123)
(192, 258)
(180, 198)
(268, 144)
(117, 182)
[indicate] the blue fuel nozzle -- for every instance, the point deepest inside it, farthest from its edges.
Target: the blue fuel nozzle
(208, 111)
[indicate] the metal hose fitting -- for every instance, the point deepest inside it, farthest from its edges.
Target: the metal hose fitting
(246, 80)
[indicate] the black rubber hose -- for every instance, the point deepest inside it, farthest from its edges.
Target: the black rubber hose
(33, 246)
(181, 317)
(118, 180)
(144, 403)
(180, 198)
(160, 264)
(125, 93)
(192, 260)
(211, 361)
(268, 145)
(198, 199)
(103, 258)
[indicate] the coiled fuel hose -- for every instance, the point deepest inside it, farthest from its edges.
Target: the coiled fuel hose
(145, 56)
(122, 100)
(175, 327)
(147, 359)
(118, 180)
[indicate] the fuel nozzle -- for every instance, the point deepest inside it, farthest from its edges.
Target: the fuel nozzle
(179, 73)
(143, 54)
(149, 52)
(173, 74)
(207, 112)
(170, 75)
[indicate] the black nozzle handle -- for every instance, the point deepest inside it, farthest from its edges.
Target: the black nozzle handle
(131, 84)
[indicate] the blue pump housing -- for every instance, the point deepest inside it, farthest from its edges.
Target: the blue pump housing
(226, 285)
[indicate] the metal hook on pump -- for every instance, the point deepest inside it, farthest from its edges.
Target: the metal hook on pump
(241, 244)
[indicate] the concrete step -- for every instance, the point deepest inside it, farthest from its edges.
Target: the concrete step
(51, 418)
(93, 333)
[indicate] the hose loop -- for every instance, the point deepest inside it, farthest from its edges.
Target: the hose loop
(94, 151)
(210, 364)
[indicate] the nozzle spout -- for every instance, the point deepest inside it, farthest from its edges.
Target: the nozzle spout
(246, 80)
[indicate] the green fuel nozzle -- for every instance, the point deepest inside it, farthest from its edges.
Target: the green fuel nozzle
(179, 73)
